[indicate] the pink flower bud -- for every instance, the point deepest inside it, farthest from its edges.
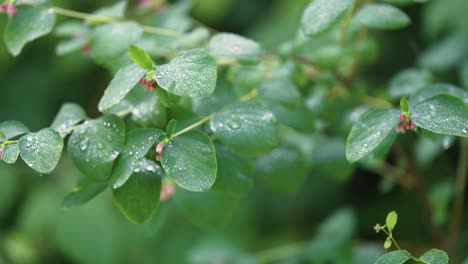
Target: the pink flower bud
(3, 7)
(400, 128)
(143, 81)
(11, 9)
(158, 150)
(1, 153)
(412, 125)
(167, 191)
(403, 117)
(86, 49)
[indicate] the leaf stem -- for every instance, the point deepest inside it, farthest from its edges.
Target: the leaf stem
(270, 255)
(192, 126)
(460, 186)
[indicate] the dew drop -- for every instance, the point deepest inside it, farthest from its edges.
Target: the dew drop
(234, 124)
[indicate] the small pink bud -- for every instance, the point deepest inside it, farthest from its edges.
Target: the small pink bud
(143, 81)
(400, 128)
(3, 7)
(402, 117)
(11, 9)
(158, 150)
(167, 191)
(412, 125)
(1, 153)
(86, 49)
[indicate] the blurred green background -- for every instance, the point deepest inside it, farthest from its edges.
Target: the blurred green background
(34, 228)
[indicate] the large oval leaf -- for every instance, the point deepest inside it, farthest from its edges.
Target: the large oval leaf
(369, 131)
(28, 24)
(69, 115)
(394, 257)
(434, 256)
(138, 143)
(192, 74)
(382, 16)
(41, 150)
(232, 46)
(320, 15)
(443, 114)
(190, 161)
(122, 83)
(247, 128)
(138, 198)
(95, 145)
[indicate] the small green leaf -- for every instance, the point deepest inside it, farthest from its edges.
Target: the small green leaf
(69, 115)
(387, 244)
(95, 145)
(443, 114)
(370, 131)
(122, 83)
(11, 153)
(192, 73)
(140, 57)
(391, 220)
(139, 142)
(12, 129)
(320, 15)
(41, 150)
(404, 105)
(394, 257)
(283, 169)
(435, 256)
(28, 24)
(190, 161)
(232, 46)
(247, 128)
(84, 191)
(138, 198)
(171, 127)
(382, 16)
(108, 41)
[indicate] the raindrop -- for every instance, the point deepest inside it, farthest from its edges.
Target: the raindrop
(234, 124)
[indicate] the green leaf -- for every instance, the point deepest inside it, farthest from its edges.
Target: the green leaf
(247, 128)
(190, 161)
(394, 257)
(283, 169)
(382, 16)
(191, 74)
(84, 191)
(11, 153)
(435, 256)
(122, 83)
(232, 46)
(280, 90)
(210, 209)
(139, 142)
(149, 112)
(404, 105)
(387, 244)
(370, 131)
(108, 41)
(95, 145)
(12, 129)
(41, 150)
(69, 115)
(233, 172)
(391, 220)
(28, 24)
(436, 89)
(68, 46)
(116, 10)
(171, 127)
(320, 15)
(443, 114)
(445, 54)
(408, 82)
(138, 198)
(140, 57)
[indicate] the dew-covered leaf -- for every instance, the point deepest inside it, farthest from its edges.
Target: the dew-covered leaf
(190, 161)
(408, 82)
(436, 89)
(232, 46)
(149, 112)
(369, 132)
(394, 257)
(382, 16)
(11, 153)
(12, 129)
(247, 128)
(192, 73)
(138, 198)
(122, 83)
(95, 145)
(139, 142)
(108, 41)
(434, 256)
(283, 169)
(320, 15)
(140, 57)
(69, 115)
(28, 24)
(84, 191)
(41, 150)
(443, 114)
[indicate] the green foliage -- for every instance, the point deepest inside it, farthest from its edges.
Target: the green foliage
(382, 16)
(320, 15)
(434, 256)
(394, 257)
(140, 57)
